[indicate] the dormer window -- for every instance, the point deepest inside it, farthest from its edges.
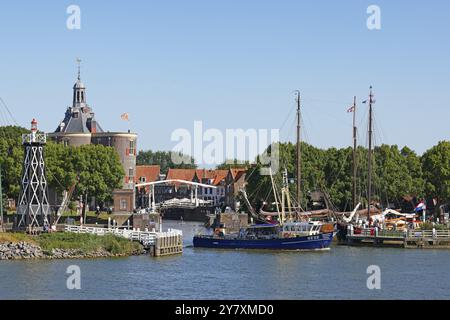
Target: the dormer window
(75, 115)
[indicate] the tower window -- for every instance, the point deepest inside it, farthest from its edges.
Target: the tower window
(132, 150)
(78, 96)
(82, 96)
(123, 204)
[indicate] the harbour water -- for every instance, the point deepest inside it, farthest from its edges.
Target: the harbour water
(340, 273)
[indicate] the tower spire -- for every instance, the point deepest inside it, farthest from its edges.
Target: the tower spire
(79, 90)
(79, 68)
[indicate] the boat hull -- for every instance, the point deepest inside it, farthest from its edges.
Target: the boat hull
(318, 242)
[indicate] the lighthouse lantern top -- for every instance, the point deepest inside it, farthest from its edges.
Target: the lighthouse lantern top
(34, 125)
(34, 137)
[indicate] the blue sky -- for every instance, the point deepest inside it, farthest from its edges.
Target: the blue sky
(232, 64)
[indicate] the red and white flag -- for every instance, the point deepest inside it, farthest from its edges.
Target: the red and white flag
(351, 109)
(125, 117)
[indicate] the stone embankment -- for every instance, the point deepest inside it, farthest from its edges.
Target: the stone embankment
(24, 250)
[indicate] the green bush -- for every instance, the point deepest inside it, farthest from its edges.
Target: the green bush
(429, 226)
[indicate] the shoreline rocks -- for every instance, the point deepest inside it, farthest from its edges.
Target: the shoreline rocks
(28, 251)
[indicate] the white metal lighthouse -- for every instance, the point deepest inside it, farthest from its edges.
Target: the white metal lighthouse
(33, 210)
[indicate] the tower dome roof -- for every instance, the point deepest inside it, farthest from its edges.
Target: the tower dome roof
(79, 85)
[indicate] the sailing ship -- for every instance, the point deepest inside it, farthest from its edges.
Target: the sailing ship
(363, 217)
(294, 230)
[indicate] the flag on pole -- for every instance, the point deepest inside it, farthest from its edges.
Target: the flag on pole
(421, 207)
(351, 109)
(125, 117)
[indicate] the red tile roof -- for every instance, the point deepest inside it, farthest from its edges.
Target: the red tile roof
(237, 173)
(221, 175)
(151, 173)
(217, 176)
(181, 174)
(240, 174)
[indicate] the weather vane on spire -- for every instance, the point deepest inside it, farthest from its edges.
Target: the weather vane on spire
(79, 68)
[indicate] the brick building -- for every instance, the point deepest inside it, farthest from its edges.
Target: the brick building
(80, 127)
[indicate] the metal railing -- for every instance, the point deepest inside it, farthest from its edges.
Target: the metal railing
(40, 138)
(429, 234)
(410, 234)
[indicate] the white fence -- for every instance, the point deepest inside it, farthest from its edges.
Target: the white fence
(429, 234)
(144, 237)
(410, 234)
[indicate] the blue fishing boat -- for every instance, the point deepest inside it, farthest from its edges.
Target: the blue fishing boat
(294, 229)
(312, 235)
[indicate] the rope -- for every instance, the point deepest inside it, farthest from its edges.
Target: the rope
(9, 112)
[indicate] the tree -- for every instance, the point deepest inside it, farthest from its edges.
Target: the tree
(436, 171)
(338, 176)
(393, 179)
(312, 176)
(165, 160)
(95, 169)
(61, 174)
(233, 164)
(414, 166)
(98, 169)
(11, 159)
(396, 173)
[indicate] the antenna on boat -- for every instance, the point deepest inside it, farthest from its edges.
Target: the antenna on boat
(298, 162)
(369, 180)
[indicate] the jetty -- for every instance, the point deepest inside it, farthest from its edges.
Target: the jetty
(427, 239)
(159, 243)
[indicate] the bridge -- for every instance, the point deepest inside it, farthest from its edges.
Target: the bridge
(194, 194)
(160, 243)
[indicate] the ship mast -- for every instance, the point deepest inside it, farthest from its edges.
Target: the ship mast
(1, 202)
(354, 152)
(369, 180)
(298, 162)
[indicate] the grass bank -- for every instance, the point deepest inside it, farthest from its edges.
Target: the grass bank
(15, 237)
(85, 243)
